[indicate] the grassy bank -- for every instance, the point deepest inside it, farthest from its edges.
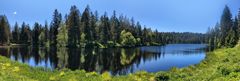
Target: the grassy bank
(14, 71)
(220, 65)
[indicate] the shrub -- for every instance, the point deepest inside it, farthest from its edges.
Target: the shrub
(162, 76)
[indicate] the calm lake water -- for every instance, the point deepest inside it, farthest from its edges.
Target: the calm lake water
(118, 61)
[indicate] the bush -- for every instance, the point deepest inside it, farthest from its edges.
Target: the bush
(162, 76)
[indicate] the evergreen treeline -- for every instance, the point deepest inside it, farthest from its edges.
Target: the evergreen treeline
(90, 29)
(227, 32)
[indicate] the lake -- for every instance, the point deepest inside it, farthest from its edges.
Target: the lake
(117, 61)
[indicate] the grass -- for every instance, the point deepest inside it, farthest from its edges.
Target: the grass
(15, 71)
(219, 65)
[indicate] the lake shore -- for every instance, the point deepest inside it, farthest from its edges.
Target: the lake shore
(214, 67)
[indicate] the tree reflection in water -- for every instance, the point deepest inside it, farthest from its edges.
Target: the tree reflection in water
(117, 61)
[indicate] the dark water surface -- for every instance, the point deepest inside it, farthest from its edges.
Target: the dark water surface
(117, 61)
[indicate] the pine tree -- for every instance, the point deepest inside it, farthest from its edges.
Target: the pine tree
(25, 35)
(238, 18)
(46, 31)
(16, 34)
(235, 36)
(35, 34)
(4, 31)
(104, 29)
(57, 18)
(97, 26)
(114, 27)
(226, 24)
(73, 27)
(86, 24)
(93, 23)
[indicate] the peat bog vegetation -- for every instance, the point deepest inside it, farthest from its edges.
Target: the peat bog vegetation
(103, 43)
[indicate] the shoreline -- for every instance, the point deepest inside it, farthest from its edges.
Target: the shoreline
(213, 67)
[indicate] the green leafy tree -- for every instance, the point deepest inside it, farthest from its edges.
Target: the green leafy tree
(46, 33)
(41, 38)
(83, 40)
(127, 39)
(62, 37)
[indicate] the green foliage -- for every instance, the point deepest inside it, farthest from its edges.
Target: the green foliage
(219, 65)
(25, 34)
(62, 36)
(73, 26)
(35, 34)
(42, 39)
(82, 39)
(55, 24)
(127, 39)
(105, 30)
(86, 25)
(16, 34)
(14, 71)
(225, 34)
(4, 31)
(162, 76)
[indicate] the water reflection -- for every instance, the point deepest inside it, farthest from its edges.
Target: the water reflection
(118, 61)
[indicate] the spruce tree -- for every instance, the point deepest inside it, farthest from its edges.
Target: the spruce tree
(73, 27)
(15, 34)
(114, 27)
(226, 24)
(35, 34)
(57, 18)
(86, 24)
(25, 35)
(104, 29)
(4, 31)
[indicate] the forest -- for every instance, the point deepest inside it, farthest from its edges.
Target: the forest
(90, 29)
(226, 33)
(86, 32)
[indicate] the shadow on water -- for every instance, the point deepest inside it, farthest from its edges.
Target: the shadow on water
(118, 61)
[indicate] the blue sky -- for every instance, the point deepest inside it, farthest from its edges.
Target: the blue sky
(164, 15)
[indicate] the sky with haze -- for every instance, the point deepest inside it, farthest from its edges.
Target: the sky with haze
(164, 15)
